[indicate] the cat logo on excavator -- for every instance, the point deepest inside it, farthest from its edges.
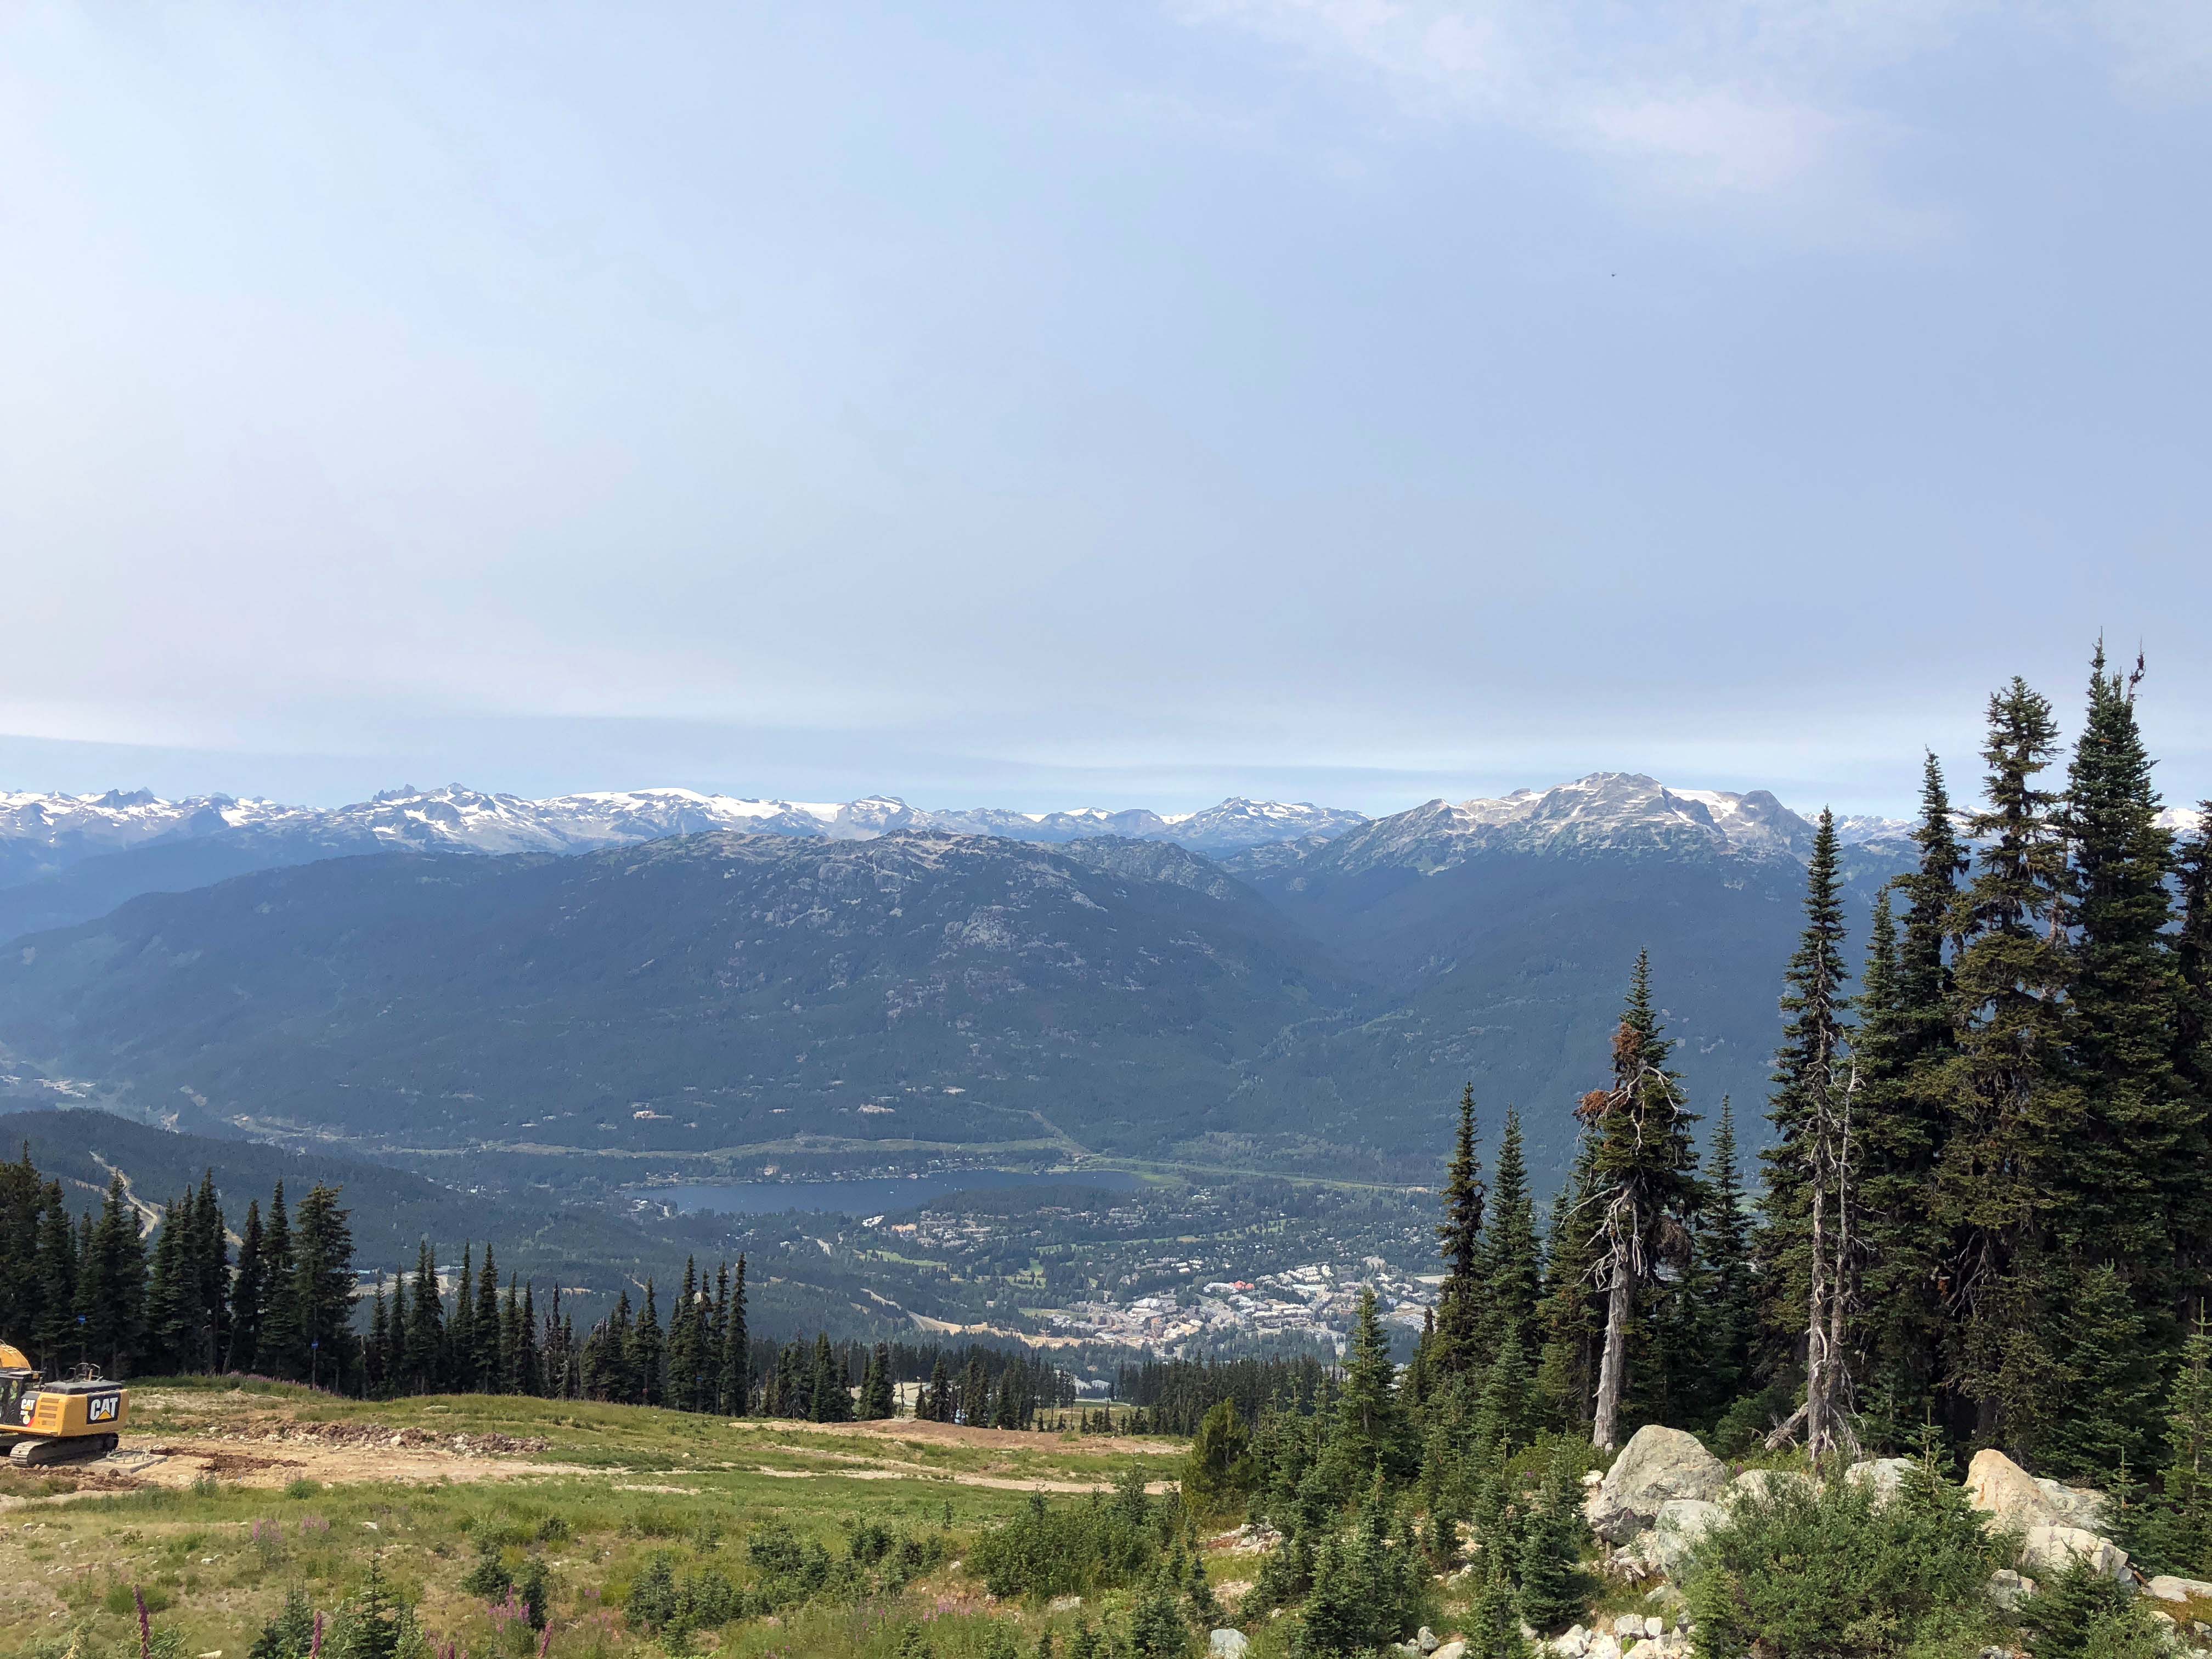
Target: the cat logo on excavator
(43, 1422)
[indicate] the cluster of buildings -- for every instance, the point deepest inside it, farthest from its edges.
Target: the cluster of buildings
(1316, 1302)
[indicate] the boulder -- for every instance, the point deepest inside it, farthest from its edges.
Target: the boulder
(1064, 1604)
(1573, 1645)
(2074, 1506)
(1647, 1648)
(1763, 1485)
(2008, 1590)
(2048, 1551)
(1426, 1641)
(2167, 1588)
(1885, 1475)
(2001, 1489)
(1450, 1650)
(1676, 1531)
(1227, 1645)
(1655, 1465)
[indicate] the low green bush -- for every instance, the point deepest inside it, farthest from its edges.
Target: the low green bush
(1840, 1572)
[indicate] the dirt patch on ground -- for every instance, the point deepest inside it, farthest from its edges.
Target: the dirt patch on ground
(959, 1434)
(336, 1454)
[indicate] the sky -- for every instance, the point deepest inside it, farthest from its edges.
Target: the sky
(1356, 401)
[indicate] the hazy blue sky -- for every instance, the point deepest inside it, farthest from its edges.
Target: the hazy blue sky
(1356, 400)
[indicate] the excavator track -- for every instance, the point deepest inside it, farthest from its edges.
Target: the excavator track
(40, 1454)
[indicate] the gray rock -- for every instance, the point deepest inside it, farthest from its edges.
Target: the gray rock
(2074, 1506)
(1573, 1645)
(1885, 1475)
(1450, 1650)
(1426, 1641)
(1657, 1464)
(1763, 1485)
(1227, 1645)
(2167, 1588)
(2047, 1551)
(2008, 1590)
(1675, 1531)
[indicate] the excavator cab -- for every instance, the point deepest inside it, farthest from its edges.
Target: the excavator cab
(44, 1422)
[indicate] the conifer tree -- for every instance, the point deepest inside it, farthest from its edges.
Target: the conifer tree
(322, 1287)
(172, 1292)
(1554, 1588)
(281, 1350)
(687, 1345)
(484, 1325)
(1371, 1428)
(737, 1351)
(2190, 1222)
(878, 1400)
(211, 1260)
(1511, 1260)
(2012, 1103)
(457, 1368)
(376, 1351)
(1643, 1167)
(2125, 1157)
(52, 1328)
(1809, 1195)
(424, 1364)
(112, 1285)
(529, 1358)
(248, 1293)
(2107, 1414)
(938, 1393)
(1460, 1311)
(1572, 1315)
(829, 1400)
(648, 1353)
(1728, 1316)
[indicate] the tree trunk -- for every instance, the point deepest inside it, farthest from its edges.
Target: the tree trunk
(1612, 1376)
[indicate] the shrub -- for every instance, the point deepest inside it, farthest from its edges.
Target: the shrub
(1837, 1574)
(660, 1603)
(1219, 1471)
(2083, 1614)
(1074, 1549)
(490, 1578)
(291, 1633)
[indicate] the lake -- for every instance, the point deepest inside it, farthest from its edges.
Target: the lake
(866, 1198)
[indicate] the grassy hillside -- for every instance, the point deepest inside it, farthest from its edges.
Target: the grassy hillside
(273, 1488)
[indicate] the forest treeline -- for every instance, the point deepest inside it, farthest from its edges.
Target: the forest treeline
(280, 1298)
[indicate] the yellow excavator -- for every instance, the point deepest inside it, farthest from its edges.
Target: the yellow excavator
(43, 1422)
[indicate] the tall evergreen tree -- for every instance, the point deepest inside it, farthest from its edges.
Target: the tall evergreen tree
(171, 1293)
(281, 1347)
(687, 1345)
(249, 1294)
(1644, 1167)
(2126, 1153)
(322, 1287)
(829, 1398)
(460, 1364)
(1510, 1259)
(111, 1286)
(1456, 1351)
(52, 1329)
(2190, 1220)
(1728, 1317)
(426, 1325)
(529, 1356)
(737, 1350)
(1809, 1196)
(484, 1325)
(648, 1353)
(1572, 1315)
(2011, 1099)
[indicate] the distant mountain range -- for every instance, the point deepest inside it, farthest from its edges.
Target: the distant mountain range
(1310, 999)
